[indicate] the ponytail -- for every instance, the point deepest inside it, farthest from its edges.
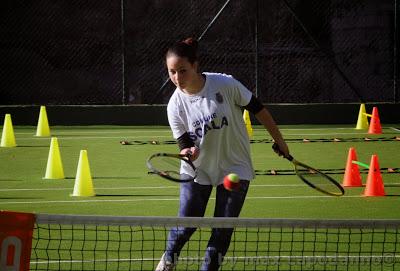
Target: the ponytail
(186, 48)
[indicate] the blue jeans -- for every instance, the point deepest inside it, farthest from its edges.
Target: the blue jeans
(193, 202)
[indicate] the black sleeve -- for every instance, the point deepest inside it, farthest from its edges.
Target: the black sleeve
(254, 105)
(184, 141)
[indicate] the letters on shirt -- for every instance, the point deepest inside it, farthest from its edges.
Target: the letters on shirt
(205, 124)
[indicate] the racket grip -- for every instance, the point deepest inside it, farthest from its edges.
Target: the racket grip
(187, 156)
(275, 147)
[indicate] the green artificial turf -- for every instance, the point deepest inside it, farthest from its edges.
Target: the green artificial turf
(124, 187)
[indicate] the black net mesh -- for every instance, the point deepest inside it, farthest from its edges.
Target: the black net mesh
(112, 52)
(129, 243)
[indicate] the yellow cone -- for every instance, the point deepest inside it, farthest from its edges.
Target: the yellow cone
(83, 180)
(247, 122)
(7, 137)
(362, 122)
(43, 128)
(54, 169)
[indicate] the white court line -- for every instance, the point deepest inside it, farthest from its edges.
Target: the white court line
(65, 136)
(97, 188)
(128, 132)
(102, 131)
(160, 199)
(166, 130)
(146, 138)
(322, 134)
(131, 138)
(230, 259)
(145, 187)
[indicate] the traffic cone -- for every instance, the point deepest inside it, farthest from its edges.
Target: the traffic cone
(8, 137)
(247, 122)
(362, 122)
(83, 180)
(375, 125)
(352, 177)
(43, 128)
(54, 169)
(374, 186)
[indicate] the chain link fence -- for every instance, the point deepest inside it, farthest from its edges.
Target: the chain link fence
(109, 52)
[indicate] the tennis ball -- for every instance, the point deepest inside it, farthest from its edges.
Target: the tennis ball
(231, 182)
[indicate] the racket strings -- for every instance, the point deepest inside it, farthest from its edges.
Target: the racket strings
(319, 180)
(167, 165)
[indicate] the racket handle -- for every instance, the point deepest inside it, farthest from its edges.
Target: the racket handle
(275, 147)
(191, 155)
(187, 156)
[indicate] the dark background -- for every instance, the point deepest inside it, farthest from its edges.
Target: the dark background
(108, 52)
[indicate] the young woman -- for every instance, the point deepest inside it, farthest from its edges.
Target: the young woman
(205, 115)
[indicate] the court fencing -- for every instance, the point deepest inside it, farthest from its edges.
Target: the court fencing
(112, 52)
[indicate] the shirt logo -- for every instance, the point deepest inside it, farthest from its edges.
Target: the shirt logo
(219, 98)
(196, 99)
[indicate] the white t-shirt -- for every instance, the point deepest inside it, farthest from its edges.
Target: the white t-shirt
(213, 119)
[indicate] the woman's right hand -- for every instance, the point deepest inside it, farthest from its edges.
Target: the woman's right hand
(281, 149)
(192, 152)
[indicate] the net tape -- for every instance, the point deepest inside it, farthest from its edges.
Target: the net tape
(213, 222)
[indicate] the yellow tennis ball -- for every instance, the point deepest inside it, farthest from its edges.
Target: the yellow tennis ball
(231, 182)
(233, 177)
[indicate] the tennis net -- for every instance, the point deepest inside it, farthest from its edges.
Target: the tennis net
(70, 242)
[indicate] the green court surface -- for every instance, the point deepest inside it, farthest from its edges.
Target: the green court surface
(124, 188)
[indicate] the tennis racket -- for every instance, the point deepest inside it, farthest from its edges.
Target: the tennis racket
(313, 177)
(168, 165)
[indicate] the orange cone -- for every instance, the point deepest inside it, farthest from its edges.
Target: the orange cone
(374, 185)
(352, 177)
(375, 125)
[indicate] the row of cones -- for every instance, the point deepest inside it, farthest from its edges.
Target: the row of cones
(374, 127)
(55, 170)
(8, 137)
(352, 177)
(43, 129)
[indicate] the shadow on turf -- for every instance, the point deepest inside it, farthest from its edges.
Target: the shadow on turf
(115, 177)
(33, 146)
(105, 178)
(21, 198)
(137, 195)
(392, 185)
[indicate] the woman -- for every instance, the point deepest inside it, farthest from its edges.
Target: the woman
(205, 116)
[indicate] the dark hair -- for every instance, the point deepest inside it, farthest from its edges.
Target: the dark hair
(186, 48)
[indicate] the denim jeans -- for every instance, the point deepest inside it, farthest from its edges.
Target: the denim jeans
(193, 202)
